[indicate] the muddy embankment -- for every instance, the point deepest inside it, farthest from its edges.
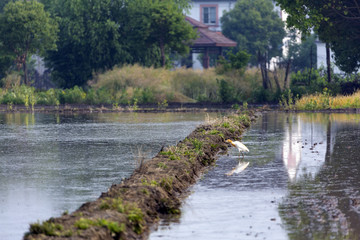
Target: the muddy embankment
(128, 210)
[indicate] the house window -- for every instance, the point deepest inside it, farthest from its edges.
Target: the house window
(209, 15)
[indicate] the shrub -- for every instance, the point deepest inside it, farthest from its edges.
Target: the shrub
(325, 101)
(315, 81)
(123, 85)
(49, 97)
(197, 85)
(74, 95)
(226, 91)
(10, 81)
(99, 96)
(18, 95)
(237, 61)
(47, 228)
(309, 81)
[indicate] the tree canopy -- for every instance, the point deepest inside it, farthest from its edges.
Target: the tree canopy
(99, 34)
(89, 39)
(26, 29)
(2, 4)
(302, 55)
(337, 23)
(167, 28)
(257, 29)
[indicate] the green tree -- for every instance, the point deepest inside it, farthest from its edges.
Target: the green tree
(89, 39)
(5, 61)
(99, 34)
(136, 29)
(154, 29)
(302, 55)
(336, 22)
(257, 29)
(2, 4)
(26, 29)
(233, 62)
(169, 29)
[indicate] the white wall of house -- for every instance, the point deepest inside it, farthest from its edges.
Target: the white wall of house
(321, 57)
(196, 63)
(197, 11)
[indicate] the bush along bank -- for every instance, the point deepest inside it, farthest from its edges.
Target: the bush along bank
(128, 210)
(321, 101)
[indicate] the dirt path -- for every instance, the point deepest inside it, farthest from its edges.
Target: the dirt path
(128, 210)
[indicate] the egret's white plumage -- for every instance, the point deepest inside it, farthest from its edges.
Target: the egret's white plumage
(239, 168)
(241, 147)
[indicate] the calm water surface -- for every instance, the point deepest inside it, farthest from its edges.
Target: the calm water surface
(303, 182)
(54, 163)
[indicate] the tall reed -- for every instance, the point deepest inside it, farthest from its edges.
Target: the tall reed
(140, 84)
(325, 101)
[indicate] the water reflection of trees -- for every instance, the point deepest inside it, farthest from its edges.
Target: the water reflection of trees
(327, 205)
(268, 132)
(304, 145)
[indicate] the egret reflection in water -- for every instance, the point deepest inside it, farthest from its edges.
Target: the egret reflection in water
(322, 201)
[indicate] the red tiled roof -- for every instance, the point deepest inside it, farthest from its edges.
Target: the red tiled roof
(208, 38)
(195, 23)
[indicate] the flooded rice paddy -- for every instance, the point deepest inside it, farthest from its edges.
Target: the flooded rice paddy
(50, 164)
(302, 182)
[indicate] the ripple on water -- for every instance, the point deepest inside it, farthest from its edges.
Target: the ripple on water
(54, 163)
(303, 182)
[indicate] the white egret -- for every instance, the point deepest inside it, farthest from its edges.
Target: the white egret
(241, 147)
(242, 165)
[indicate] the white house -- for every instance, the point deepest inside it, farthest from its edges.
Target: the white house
(209, 12)
(320, 46)
(321, 56)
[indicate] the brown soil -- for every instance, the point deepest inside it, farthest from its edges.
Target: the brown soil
(128, 210)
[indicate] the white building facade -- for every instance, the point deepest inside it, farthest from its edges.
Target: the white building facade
(209, 12)
(321, 57)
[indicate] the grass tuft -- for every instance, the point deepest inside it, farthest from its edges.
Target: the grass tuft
(47, 228)
(114, 227)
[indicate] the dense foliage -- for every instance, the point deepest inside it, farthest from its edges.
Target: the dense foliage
(237, 61)
(89, 39)
(26, 29)
(93, 36)
(97, 35)
(302, 55)
(133, 85)
(2, 4)
(314, 81)
(257, 29)
(168, 30)
(337, 23)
